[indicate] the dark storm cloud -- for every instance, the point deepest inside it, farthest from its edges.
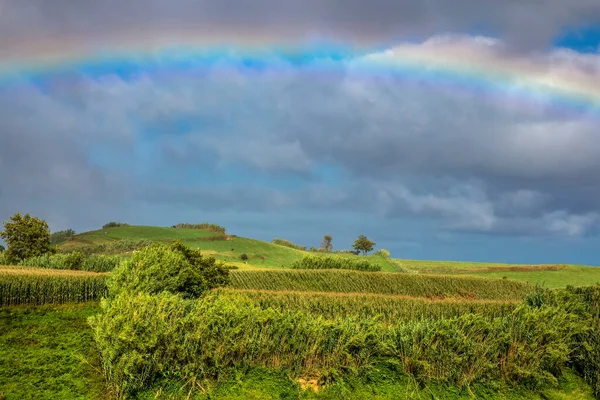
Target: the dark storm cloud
(524, 23)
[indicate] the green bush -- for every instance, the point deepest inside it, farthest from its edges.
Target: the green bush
(205, 225)
(175, 269)
(114, 225)
(244, 256)
(332, 262)
(382, 253)
(287, 243)
(61, 236)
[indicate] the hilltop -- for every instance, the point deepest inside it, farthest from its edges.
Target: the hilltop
(261, 254)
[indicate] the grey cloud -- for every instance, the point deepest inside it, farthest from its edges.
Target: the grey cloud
(525, 24)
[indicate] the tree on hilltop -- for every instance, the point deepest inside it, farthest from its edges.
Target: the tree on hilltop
(25, 236)
(363, 244)
(326, 244)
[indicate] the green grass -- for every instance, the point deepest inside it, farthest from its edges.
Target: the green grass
(48, 352)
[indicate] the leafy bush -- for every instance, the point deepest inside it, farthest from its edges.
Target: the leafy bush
(175, 269)
(114, 225)
(244, 256)
(316, 262)
(287, 243)
(205, 225)
(2, 248)
(61, 236)
(382, 253)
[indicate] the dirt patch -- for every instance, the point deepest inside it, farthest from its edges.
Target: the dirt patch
(308, 383)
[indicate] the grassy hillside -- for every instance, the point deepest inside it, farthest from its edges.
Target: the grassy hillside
(268, 255)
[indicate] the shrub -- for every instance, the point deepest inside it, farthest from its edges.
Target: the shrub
(175, 269)
(205, 225)
(382, 253)
(114, 225)
(116, 247)
(287, 243)
(244, 256)
(316, 262)
(61, 236)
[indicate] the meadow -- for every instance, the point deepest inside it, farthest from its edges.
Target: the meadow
(335, 326)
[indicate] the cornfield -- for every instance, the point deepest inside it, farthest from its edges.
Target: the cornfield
(431, 286)
(45, 286)
(389, 309)
(335, 262)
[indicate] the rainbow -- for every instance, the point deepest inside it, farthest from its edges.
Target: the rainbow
(452, 64)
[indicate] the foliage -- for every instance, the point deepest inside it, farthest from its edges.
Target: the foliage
(2, 248)
(25, 236)
(48, 353)
(116, 247)
(243, 256)
(205, 225)
(74, 261)
(387, 309)
(332, 262)
(432, 286)
(214, 336)
(49, 286)
(327, 244)
(61, 236)
(175, 269)
(363, 244)
(114, 225)
(287, 243)
(383, 253)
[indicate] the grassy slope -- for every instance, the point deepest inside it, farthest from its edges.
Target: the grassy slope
(267, 255)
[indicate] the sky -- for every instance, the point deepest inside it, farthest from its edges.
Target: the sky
(464, 130)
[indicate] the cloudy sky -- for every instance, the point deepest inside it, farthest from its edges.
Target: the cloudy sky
(466, 130)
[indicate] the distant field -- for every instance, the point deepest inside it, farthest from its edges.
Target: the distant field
(433, 286)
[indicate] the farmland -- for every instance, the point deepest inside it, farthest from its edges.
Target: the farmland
(336, 327)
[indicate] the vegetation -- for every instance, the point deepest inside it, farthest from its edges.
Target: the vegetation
(175, 269)
(388, 309)
(44, 286)
(431, 286)
(327, 244)
(61, 236)
(205, 225)
(2, 248)
(74, 261)
(25, 236)
(116, 247)
(382, 253)
(332, 262)
(48, 353)
(363, 244)
(114, 225)
(213, 337)
(287, 243)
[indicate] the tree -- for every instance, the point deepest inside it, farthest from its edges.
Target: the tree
(25, 236)
(2, 248)
(363, 244)
(326, 243)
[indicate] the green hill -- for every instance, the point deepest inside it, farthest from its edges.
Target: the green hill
(263, 254)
